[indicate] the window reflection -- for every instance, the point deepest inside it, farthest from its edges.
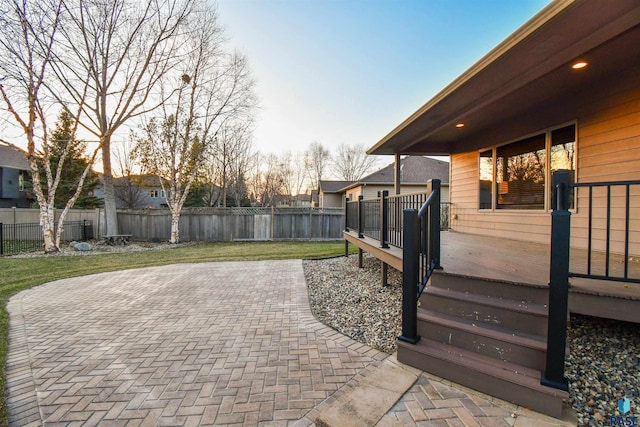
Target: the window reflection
(520, 174)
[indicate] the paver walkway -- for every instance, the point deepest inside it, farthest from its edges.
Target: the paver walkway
(195, 344)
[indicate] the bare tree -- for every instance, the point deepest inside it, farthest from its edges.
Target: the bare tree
(28, 40)
(351, 162)
(316, 160)
(127, 187)
(268, 182)
(210, 89)
(293, 172)
(228, 162)
(115, 53)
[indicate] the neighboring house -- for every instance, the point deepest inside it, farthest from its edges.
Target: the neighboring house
(14, 172)
(561, 93)
(298, 201)
(137, 192)
(332, 194)
(415, 172)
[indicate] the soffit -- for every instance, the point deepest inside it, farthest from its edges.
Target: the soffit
(528, 76)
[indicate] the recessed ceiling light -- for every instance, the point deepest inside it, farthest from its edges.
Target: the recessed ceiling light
(579, 65)
(459, 125)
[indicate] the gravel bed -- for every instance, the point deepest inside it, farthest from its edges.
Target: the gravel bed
(603, 365)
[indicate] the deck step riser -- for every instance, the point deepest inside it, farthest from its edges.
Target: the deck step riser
(524, 293)
(534, 358)
(494, 316)
(486, 383)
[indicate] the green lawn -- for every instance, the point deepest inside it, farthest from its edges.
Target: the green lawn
(23, 273)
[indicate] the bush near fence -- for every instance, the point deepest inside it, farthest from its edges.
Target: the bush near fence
(233, 224)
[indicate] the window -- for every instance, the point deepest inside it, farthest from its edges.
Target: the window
(518, 175)
(154, 194)
(21, 182)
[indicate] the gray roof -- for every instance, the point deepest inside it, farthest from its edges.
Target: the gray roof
(333, 186)
(12, 158)
(413, 170)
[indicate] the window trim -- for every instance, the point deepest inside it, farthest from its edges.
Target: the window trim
(547, 185)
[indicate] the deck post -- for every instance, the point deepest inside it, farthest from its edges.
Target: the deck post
(346, 225)
(433, 185)
(346, 214)
(384, 220)
(397, 172)
(360, 217)
(558, 284)
(360, 258)
(410, 266)
(385, 273)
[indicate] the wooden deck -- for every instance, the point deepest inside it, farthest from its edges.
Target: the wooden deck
(525, 263)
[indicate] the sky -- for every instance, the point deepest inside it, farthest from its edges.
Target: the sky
(350, 71)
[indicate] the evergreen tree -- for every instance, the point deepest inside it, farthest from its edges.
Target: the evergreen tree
(74, 164)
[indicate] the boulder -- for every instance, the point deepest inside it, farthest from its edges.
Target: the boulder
(82, 246)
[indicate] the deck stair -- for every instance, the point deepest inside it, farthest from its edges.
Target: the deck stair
(486, 335)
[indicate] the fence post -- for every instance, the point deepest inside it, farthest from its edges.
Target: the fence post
(1, 238)
(558, 284)
(360, 217)
(384, 220)
(410, 266)
(433, 185)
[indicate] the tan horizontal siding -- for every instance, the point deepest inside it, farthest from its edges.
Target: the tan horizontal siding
(608, 150)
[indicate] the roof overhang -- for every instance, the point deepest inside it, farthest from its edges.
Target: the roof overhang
(528, 77)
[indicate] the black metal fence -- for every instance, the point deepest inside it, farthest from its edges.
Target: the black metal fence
(19, 238)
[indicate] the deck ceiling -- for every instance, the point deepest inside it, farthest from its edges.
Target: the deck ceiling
(526, 83)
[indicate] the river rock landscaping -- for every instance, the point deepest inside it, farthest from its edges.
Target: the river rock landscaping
(602, 366)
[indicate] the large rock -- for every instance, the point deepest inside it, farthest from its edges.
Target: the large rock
(82, 247)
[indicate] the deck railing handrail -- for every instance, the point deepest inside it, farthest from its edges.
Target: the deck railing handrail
(420, 257)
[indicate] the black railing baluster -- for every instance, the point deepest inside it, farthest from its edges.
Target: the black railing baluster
(590, 237)
(608, 242)
(360, 217)
(626, 232)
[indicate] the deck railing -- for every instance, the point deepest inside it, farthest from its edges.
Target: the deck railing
(420, 257)
(607, 188)
(381, 218)
(554, 375)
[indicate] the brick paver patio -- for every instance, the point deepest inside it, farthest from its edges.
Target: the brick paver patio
(195, 344)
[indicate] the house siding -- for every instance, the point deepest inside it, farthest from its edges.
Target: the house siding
(331, 200)
(608, 149)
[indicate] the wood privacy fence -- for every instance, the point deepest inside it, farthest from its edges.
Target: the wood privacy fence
(233, 224)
